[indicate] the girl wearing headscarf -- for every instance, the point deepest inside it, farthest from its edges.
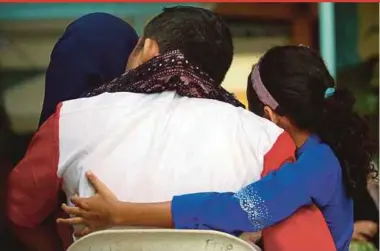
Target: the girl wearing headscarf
(292, 87)
(93, 50)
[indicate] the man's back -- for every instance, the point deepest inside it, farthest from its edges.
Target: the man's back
(148, 148)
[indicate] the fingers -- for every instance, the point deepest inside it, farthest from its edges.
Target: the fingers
(99, 186)
(369, 231)
(71, 221)
(372, 226)
(365, 228)
(72, 210)
(79, 233)
(79, 202)
(84, 232)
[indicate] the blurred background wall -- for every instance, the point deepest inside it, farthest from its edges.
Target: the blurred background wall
(28, 33)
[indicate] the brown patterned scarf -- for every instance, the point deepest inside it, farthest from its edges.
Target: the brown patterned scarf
(169, 72)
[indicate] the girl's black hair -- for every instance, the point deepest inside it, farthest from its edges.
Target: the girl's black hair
(297, 78)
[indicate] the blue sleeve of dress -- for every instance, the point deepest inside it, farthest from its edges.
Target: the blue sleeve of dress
(258, 205)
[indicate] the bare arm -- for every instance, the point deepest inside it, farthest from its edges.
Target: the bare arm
(146, 214)
(103, 210)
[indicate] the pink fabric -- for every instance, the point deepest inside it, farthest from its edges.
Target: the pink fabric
(261, 91)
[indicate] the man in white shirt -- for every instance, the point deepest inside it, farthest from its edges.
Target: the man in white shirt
(166, 127)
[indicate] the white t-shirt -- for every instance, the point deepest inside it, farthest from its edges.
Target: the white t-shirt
(148, 148)
(144, 147)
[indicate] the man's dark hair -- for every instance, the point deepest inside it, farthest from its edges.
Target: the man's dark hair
(199, 34)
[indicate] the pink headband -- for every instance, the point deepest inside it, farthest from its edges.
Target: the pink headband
(262, 92)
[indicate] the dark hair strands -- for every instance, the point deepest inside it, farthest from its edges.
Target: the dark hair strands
(297, 77)
(348, 134)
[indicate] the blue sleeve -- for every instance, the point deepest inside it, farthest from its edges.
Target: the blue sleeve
(255, 207)
(218, 211)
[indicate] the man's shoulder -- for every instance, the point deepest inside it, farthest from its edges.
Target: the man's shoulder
(249, 122)
(200, 110)
(262, 134)
(221, 108)
(253, 122)
(102, 101)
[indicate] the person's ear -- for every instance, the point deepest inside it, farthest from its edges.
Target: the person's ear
(135, 58)
(271, 115)
(150, 49)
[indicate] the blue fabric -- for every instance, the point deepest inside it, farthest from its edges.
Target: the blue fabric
(93, 50)
(329, 92)
(315, 177)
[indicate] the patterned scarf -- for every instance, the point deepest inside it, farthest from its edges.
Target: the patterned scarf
(169, 72)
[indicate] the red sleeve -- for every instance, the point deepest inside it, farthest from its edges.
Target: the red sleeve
(304, 230)
(33, 185)
(281, 152)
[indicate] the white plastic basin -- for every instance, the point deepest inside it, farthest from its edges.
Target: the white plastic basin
(160, 240)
